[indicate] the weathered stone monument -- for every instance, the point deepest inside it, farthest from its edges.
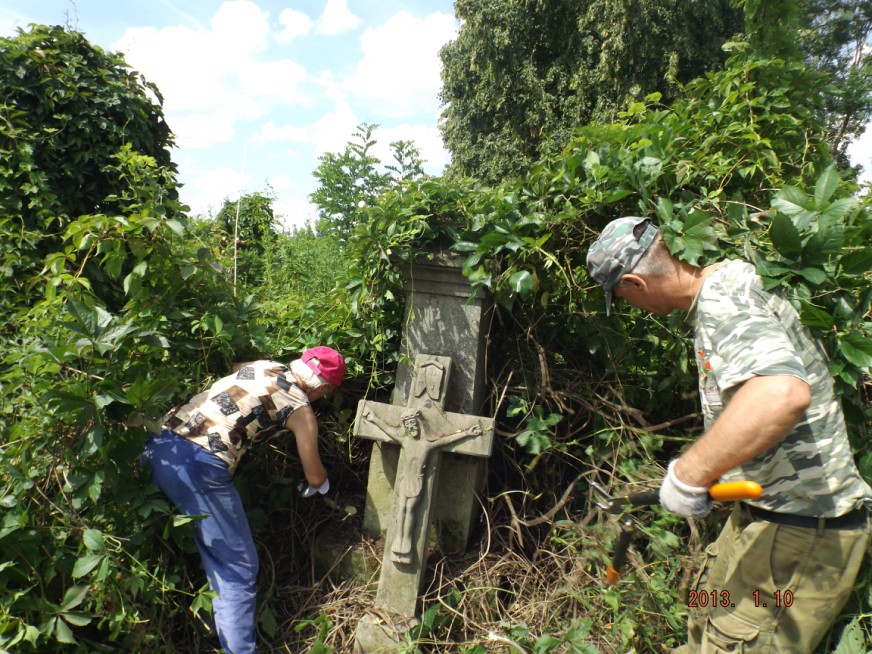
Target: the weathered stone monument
(428, 456)
(442, 317)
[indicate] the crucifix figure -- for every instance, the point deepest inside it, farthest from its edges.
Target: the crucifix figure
(423, 430)
(418, 447)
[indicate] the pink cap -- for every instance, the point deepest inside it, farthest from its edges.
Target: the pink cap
(326, 363)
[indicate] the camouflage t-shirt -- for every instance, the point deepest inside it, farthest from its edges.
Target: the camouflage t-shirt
(740, 331)
(238, 410)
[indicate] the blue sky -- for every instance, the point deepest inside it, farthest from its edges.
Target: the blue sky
(256, 90)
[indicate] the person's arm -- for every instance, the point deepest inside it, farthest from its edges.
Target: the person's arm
(758, 417)
(305, 427)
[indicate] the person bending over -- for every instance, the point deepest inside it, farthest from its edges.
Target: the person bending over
(201, 442)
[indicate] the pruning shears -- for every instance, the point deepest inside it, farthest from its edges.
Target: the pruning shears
(732, 491)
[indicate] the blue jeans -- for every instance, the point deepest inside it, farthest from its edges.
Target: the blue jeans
(199, 483)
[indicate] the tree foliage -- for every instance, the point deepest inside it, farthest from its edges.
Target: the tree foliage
(832, 38)
(835, 38)
(522, 75)
(68, 109)
(111, 311)
(351, 181)
(247, 226)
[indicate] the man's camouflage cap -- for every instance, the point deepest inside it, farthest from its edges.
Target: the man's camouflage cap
(616, 252)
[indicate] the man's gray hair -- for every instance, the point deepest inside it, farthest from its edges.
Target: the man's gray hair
(656, 262)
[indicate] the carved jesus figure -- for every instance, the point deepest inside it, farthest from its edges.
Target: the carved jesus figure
(418, 448)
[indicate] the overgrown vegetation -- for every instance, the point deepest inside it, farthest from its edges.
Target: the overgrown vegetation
(110, 311)
(116, 304)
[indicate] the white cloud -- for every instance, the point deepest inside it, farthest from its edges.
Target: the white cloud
(337, 18)
(196, 130)
(282, 182)
(206, 190)
(280, 80)
(332, 88)
(400, 70)
(329, 133)
(10, 19)
(168, 57)
(333, 130)
(295, 213)
(212, 78)
(426, 138)
(241, 27)
(295, 24)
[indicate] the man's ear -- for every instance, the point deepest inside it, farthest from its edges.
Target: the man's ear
(631, 280)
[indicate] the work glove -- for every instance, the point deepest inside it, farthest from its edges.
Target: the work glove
(307, 490)
(678, 497)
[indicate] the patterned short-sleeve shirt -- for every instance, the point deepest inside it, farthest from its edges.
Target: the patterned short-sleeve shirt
(239, 410)
(741, 331)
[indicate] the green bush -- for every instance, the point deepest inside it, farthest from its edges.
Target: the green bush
(111, 311)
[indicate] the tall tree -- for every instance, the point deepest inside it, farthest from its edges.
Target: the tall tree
(67, 108)
(523, 74)
(352, 181)
(831, 37)
(349, 182)
(69, 113)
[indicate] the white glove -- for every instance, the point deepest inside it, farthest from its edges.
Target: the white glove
(307, 490)
(678, 497)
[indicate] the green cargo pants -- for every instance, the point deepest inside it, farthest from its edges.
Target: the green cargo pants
(766, 588)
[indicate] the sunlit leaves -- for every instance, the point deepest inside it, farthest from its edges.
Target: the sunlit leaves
(857, 349)
(350, 182)
(690, 237)
(522, 282)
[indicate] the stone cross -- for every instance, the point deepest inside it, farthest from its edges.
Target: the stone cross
(444, 316)
(423, 430)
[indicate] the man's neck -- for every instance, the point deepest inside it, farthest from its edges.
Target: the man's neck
(690, 280)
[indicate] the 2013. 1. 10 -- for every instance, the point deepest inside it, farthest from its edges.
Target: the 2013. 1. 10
(705, 598)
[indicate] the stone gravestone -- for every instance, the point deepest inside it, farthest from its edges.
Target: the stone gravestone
(442, 317)
(422, 430)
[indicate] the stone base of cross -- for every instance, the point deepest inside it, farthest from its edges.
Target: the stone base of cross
(423, 430)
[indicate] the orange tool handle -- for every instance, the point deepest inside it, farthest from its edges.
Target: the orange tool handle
(734, 491)
(729, 491)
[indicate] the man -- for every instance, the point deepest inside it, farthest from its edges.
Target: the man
(194, 458)
(785, 564)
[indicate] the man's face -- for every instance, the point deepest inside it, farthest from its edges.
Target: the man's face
(321, 391)
(410, 424)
